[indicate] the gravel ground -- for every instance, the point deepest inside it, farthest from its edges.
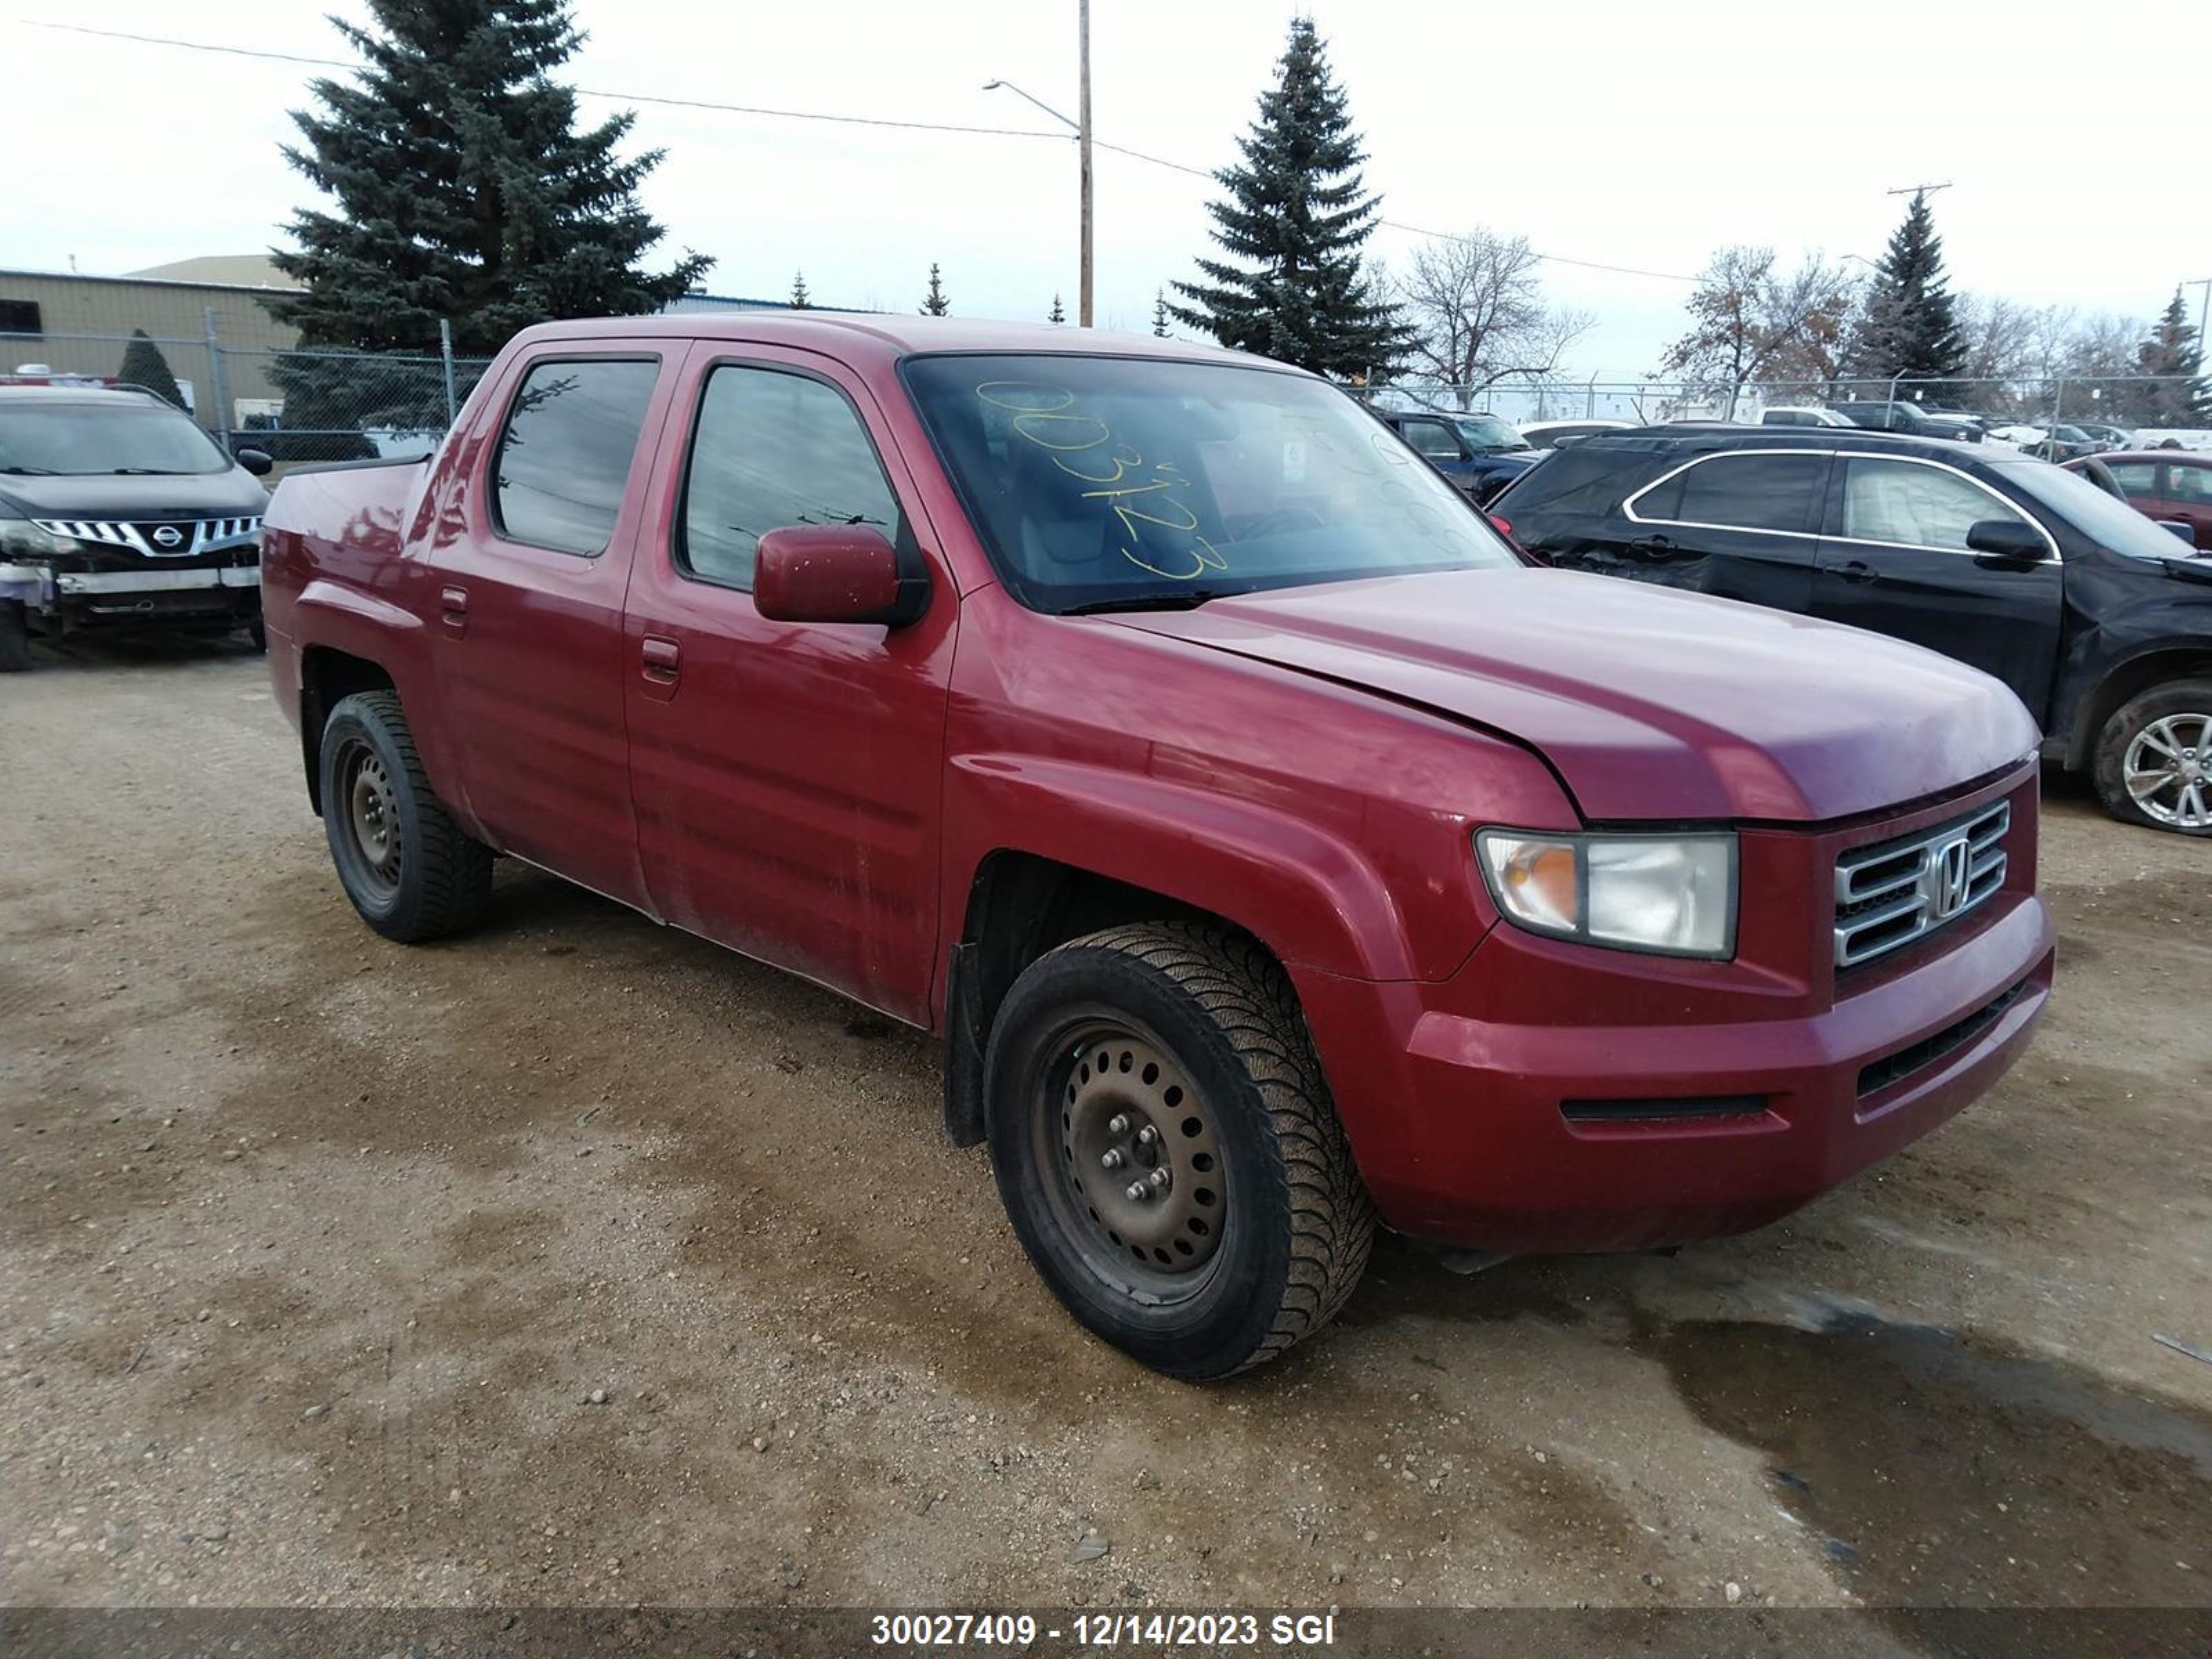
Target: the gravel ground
(580, 1262)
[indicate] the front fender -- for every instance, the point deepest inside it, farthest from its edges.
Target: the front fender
(1313, 898)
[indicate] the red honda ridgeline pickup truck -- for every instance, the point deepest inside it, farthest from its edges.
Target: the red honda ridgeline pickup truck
(1273, 846)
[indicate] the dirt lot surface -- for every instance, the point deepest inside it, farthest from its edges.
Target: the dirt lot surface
(578, 1261)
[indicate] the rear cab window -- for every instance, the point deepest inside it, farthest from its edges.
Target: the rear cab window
(565, 452)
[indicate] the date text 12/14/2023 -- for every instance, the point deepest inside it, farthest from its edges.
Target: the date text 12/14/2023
(1104, 1630)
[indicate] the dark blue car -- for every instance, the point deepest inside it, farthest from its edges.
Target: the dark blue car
(1480, 454)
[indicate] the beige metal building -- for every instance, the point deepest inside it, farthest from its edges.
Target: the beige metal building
(79, 324)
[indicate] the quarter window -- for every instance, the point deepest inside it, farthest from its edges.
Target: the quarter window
(1914, 506)
(1746, 491)
(564, 459)
(773, 449)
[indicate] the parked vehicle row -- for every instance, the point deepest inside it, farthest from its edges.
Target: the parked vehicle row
(1279, 849)
(2100, 621)
(2168, 487)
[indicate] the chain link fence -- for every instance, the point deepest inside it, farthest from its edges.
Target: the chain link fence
(294, 404)
(2144, 407)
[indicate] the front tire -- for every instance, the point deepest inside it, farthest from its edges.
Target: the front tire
(410, 871)
(2153, 759)
(14, 637)
(1166, 1149)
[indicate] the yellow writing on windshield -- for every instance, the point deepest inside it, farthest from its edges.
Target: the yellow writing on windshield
(1154, 520)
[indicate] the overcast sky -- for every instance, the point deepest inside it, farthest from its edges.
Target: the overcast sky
(1624, 133)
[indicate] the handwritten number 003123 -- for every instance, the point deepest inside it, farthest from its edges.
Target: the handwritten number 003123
(1138, 495)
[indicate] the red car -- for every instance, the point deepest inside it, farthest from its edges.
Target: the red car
(1274, 847)
(2173, 486)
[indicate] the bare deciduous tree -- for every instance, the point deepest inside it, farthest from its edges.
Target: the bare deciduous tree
(1750, 323)
(1477, 312)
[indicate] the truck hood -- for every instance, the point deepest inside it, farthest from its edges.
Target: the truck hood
(231, 494)
(1649, 703)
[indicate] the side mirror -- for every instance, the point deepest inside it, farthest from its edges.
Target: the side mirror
(255, 461)
(2007, 538)
(834, 573)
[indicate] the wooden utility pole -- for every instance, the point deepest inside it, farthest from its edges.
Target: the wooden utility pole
(1083, 140)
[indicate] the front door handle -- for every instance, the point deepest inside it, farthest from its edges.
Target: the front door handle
(453, 608)
(1858, 570)
(1652, 547)
(662, 661)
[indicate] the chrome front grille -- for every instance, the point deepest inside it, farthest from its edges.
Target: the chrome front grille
(1893, 892)
(157, 538)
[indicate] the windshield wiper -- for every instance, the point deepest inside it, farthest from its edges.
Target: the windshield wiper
(32, 471)
(1188, 598)
(145, 472)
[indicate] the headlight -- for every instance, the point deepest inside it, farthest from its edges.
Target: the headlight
(20, 538)
(1671, 895)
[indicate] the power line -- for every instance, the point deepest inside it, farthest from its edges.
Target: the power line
(809, 115)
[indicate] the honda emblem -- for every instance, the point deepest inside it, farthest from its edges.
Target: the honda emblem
(1950, 874)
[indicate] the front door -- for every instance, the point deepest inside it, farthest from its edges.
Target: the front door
(1896, 561)
(787, 776)
(530, 569)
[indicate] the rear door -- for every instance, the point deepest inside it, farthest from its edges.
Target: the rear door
(1895, 560)
(531, 563)
(1740, 524)
(787, 775)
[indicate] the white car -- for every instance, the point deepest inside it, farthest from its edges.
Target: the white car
(1787, 415)
(1549, 434)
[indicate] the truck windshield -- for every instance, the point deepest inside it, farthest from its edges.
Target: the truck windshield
(87, 440)
(1106, 482)
(2104, 519)
(1486, 434)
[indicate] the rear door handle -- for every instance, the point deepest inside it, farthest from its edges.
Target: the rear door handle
(453, 604)
(662, 660)
(1858, 570)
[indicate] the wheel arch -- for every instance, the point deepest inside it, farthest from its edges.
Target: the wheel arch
(327, 676)
(2124, 681)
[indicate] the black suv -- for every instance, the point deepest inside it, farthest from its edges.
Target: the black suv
(116, 511)
(2099, 619)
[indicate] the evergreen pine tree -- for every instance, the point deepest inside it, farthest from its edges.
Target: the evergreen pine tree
(463, 188)
(143, 365)
(1910, 327)
(1160, 312)
(2182, 395)
(934, 304)
(1295, 216)
(1058, 313)
(800, 300)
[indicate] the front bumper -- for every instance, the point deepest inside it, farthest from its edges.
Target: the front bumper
(1542, 1125)
(144, 596)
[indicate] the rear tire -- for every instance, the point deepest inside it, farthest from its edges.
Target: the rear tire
(2153, 759)
(14, 637)
(410, 871)
(1253, 1226)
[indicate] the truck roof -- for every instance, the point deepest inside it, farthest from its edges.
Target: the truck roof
(887, 338)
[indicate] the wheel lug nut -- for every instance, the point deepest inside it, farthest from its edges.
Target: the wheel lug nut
(1111, 1158)
(1147, 1135)
(1118, 1124)
(1137, 1192)
(1159, 1177)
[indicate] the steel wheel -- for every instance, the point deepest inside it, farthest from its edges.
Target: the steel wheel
(1136, 1170)
(372, 818)
(2167, 769)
